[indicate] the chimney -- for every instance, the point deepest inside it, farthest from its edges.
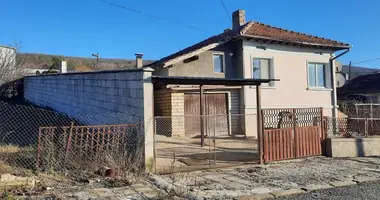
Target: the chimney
(139, 62)
(238, 18)
(63, 67)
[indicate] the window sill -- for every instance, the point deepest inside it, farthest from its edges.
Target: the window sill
(318, 89)
(264, 87)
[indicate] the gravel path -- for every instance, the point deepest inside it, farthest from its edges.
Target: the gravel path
(368, 191)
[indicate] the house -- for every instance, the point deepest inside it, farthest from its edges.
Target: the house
(364, 88)
(303, 63)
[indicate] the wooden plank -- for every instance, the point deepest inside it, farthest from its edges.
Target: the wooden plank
(278, 145)
(316, 133)
(285, 143)
(307, 141)
(291, 143)
(270, 145)
(301, 143)
(319, 142)
(312, 141)
(281, 144)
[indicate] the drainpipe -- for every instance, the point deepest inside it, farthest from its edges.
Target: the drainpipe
(335, 98)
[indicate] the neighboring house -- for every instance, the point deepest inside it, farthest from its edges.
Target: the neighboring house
(7, 64)
(364, 88)
(251, 50)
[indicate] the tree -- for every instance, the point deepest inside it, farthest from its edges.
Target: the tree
(56, 62)
(10, 65)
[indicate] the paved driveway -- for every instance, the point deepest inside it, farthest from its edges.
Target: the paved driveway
(370, 190)
(277, 179)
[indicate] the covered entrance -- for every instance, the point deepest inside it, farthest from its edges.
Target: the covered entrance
(201, 138)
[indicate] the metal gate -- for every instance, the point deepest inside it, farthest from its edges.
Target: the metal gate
(292, 133)
(175, 150)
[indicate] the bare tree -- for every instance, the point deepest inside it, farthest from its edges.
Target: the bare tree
(11, 70)
(10, 67)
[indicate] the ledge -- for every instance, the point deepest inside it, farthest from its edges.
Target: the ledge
(353, 147)
(319, 89)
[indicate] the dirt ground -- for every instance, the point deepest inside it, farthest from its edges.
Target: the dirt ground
(49, 186)
(186, 153)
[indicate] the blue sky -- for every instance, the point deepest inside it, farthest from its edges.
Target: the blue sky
(83, 27)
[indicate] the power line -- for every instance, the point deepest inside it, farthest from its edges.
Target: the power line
(152, 16)
(364, 61)
(225, 9)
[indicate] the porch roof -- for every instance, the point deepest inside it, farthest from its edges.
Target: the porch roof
(185, 80)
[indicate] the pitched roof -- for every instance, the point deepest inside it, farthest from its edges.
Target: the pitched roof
(362, 84)
(257, 31)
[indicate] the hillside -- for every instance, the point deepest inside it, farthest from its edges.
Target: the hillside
(45, 61)
(357, 71)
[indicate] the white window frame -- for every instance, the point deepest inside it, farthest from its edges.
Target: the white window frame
(270, 70)
(316, 75)
(223, 63)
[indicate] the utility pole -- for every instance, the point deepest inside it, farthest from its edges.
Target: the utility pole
(97, 59)
(349, 71)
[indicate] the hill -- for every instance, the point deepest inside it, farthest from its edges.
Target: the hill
(358, 71)
(46, 61)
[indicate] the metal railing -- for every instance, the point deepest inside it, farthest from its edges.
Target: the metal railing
(349, 127)
(38, 139)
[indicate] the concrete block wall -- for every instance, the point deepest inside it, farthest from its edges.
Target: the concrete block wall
(88, 93)
(110, 97)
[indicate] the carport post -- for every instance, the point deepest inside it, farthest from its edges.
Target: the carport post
(259, 122)
(201, 107)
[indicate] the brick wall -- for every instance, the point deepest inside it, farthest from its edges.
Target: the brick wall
(169, 103)
(88, 93)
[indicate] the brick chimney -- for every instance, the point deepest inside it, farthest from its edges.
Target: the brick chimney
(238, 18)
(139, 61)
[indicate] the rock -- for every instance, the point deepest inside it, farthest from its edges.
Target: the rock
(8, 180)
(49, 188)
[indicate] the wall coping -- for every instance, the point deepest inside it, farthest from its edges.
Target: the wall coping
(146, 69)
(353, 139)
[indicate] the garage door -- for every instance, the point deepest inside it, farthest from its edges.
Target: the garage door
(216, 110)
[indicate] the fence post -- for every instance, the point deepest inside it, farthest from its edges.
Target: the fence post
(154, 143)
(201, 107)
(259, 123)
(323, 132)
(294, 132)
(366, 127)
(69, 141)
(38, 148)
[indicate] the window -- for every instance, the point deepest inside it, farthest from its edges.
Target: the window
(316, 75)
(218, 63)
(261, 69)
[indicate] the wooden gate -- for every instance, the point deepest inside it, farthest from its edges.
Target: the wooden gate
(298, 134)
(215, 109)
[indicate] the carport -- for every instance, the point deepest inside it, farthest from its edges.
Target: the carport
(202, 82)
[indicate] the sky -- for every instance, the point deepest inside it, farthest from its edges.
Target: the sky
(83, 27)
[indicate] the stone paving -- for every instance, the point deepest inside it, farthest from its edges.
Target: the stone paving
(274, 180)
(133, 192)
